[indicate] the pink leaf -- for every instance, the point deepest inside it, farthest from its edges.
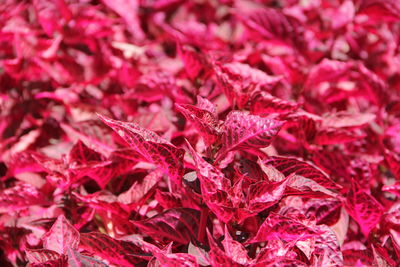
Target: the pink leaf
(265, 104)
(270, 23)
(293, 166)
(128, 10)
(235, 250)
(179, 225)
(41, 255)
(75, 259)
(283, 228)
(217, 255)
(116, 252)
(19, 197)
(239, 81)
(242, 131)
(61, 236)
(138, 191)
(196, 64)
(364, 209)
(214, 187)
(264, 194)
(204, 121)
(150, 146)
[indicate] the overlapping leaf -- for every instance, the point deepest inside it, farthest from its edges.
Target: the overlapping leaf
(242, 131)
(178, 225)
(61, 236)
(152, 147)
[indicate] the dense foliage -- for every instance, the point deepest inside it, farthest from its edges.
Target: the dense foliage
(199, 133)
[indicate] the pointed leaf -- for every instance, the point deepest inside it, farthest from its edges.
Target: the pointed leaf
(214, 187)
(240, 80)
(244, 131)
(290, 165)
(20, 197)
(178, 225)
(203, 121)
(265, 194)
(61, 236)
(283, 228)
(364, 209)
(41, 255)
(138, 191)
(151, 146)
(195, 63)
(234, 249)
(120, 253)
(264, 104)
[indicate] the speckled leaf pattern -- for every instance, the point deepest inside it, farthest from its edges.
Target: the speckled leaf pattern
(294, 166)
(178, 225)
(279, 227)
(364, 209)
(204, 121)
(243, 131)
(116, 252)
(75, 259)
(61, 236)
(151, 146)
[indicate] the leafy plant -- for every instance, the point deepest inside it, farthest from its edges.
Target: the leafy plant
(199, 133)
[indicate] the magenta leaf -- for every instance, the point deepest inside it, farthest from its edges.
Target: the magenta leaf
(196, 64)
(279, 227)
(327, 248)
(152, 147)
(204, 121)
(264, 104)
(364, 209)
(205, 104)
(61, 236)
(75, 259)
(264, 194)
(41, 255)
(167, 200)
(270, 23)
(239, 81)
(217, 256)
(242, 131)
(128, 10)
(214, 187)
(139, 192)
(20, 197)
(93, 134)
(116, 252)
(179, 225)
(325, 211)
(290, 111)
(176, 259)
(235, 250)
(293, 166)
(336, 136)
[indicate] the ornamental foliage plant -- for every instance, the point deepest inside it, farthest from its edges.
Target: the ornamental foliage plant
(199, 133)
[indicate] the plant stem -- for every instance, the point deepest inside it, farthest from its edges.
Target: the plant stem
(203, 224)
